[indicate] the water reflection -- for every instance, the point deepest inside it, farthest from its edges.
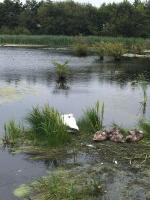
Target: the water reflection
(90, 80)
(122, 74)
(61, 86)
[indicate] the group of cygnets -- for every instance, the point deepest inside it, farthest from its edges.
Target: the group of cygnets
(115, 135)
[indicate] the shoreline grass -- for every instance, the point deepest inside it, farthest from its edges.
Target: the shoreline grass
(92, 119)
(63, 184)
(69, 41)
(46, 128)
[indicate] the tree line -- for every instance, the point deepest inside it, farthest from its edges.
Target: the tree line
(70, 18)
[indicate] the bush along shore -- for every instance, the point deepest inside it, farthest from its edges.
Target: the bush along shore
(83, 45)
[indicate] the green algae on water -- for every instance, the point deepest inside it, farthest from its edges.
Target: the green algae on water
(22, 191)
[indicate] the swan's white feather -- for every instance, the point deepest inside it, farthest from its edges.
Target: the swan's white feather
(70, 121)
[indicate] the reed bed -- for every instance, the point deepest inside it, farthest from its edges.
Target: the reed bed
(51, 41)
(92, 119)
(68, 41)
(13, 132)
(45, 128)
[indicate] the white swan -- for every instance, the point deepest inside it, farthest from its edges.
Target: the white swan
(70, 121)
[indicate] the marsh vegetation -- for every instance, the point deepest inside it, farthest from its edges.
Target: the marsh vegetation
(144, 85)
(63, 184)
(92, 119)
(116, 50)
(93, 40)
(79, 168)
(62, 71)
(45, 128)
(13, 133)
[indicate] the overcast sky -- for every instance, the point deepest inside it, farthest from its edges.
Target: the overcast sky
(94, 2)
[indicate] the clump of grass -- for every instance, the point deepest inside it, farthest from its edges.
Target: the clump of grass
(137, 48)
(115, 49)
(145, 126)
(62, 71)
(92, 119)
(13, 132)
(80, 50)
(47, 127)
(144, 85)
(100, 50)
(80, 47)
(65, 185)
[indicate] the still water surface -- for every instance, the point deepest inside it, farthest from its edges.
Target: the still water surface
(27, 78)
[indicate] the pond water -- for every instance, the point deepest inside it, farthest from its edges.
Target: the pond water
(27, 78)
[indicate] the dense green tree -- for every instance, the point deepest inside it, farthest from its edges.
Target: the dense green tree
(9, 13)
(70, 18)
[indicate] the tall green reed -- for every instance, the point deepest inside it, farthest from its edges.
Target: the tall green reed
(144, 85)
(62, 71)
(69, 41)
(145, 126)
(92, 120)
(47, 127)
(13, 132)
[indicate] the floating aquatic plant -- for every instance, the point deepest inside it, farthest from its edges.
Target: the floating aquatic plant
(8, 93)
(11, 93)
(22, 191)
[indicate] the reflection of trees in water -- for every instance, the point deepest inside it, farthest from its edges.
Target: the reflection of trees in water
(121, 73)
(53, 163)
(61, 86)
